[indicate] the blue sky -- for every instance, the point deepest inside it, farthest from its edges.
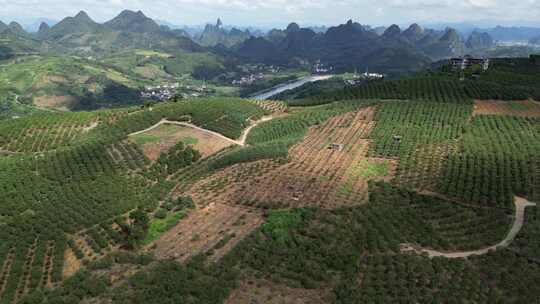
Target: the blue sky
(281, 12)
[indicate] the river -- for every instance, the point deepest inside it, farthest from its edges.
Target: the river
(266, 94)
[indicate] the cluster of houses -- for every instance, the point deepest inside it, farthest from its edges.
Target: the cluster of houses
(168, 91)
(160, 92)
(362, 78)
(248, 80)
(254, 68)
(462, 63)
(253, 73)
(321, 68)
(371, 76)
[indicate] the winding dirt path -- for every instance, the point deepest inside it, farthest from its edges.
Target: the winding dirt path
(241, 141)
(520, 203)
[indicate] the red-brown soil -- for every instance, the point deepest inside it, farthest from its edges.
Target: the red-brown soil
(523, 108)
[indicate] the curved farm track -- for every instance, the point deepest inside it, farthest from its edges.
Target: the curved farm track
(240, 142)
(520, 203)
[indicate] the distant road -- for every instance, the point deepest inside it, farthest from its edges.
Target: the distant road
(267, 94)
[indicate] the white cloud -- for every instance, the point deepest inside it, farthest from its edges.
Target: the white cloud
(258, 12)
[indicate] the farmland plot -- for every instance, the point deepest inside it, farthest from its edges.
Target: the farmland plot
(214, 230)
(161, 139)
(315, 174)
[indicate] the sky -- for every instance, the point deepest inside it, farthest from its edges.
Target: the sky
(281, 12)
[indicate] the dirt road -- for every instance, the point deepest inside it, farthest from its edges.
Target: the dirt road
(521, 204)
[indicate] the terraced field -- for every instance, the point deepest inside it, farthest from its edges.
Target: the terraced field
(213, 229)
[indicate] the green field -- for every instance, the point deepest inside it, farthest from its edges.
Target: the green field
(160, 226)
(370, 170)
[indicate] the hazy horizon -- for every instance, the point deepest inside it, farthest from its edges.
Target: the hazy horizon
(278, 13)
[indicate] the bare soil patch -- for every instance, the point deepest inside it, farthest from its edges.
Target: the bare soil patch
(315, 174)
(252, 291)
(118, 272)
(214, 230)
(63, 103)
(164, 137)
(56, 78)
(523, 108)
(71, 263)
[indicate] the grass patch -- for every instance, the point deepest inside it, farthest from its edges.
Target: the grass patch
(346, 188)
(369, 170)
(160, 226)
(366, 170)
(518, 106)
(281, 223)
(142, 139)
(190, 141)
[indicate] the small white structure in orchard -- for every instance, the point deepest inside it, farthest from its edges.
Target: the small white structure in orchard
(335, 147)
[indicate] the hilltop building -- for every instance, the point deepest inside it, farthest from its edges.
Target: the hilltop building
(465, 62)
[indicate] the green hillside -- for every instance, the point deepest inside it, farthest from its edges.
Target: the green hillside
(75, 171)
(507, 79)
(77, 83)
(94, 195)
(67, 82)
(152, 64)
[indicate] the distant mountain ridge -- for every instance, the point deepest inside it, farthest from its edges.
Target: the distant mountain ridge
(127, 30)
(214, 35)
(130, 21)
(349, 46)
(479, 40)
(80, 23)
(535, 40)
(503, 33)
(356, 46)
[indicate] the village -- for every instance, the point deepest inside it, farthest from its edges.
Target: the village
(168, 91)
(358, 78)
(248, 80)
(321, 68)
(253, 73)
